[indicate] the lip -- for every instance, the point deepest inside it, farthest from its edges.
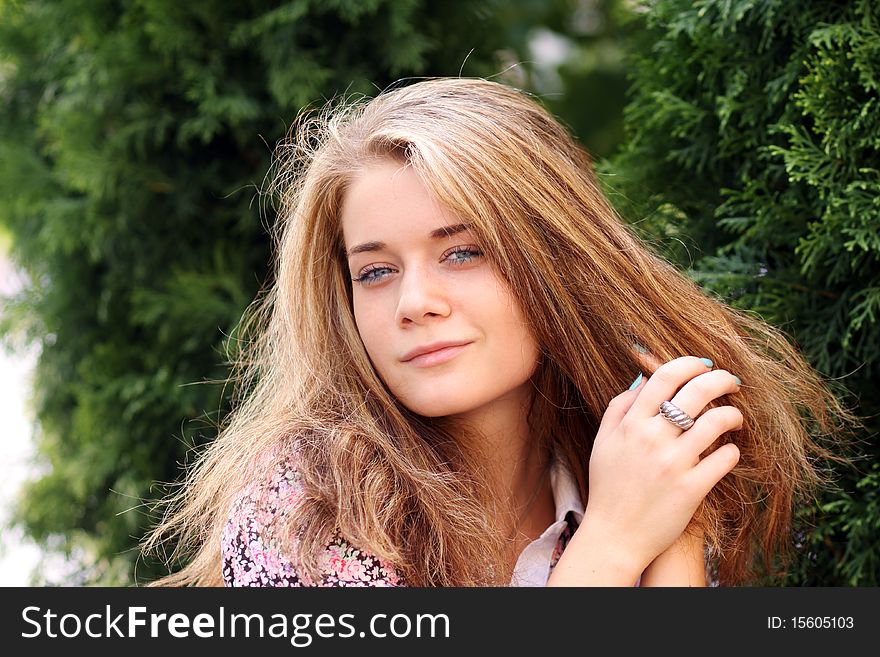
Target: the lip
(434, 354)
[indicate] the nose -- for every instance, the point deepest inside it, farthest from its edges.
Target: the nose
(423, 296)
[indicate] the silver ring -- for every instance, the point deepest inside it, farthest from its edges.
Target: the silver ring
(675, 415)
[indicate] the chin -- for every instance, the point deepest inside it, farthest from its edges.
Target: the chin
(436, 404)
(435, 408)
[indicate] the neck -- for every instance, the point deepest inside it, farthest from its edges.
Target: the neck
(516, 465)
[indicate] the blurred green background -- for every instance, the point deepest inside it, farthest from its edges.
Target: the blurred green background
(740, 138)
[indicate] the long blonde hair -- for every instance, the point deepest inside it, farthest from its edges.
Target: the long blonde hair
(405, 487)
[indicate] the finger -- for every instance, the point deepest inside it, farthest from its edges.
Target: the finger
(710, 426)
(666, 381)
(696, 394)
(713, 468)
(619, 406)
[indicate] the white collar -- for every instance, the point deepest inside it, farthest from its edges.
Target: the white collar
(566, 496)
(533, 565)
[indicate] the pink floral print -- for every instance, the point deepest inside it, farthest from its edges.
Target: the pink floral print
(253, 557)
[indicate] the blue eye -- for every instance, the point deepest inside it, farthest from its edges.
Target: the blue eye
(369, 276)
(467, 254)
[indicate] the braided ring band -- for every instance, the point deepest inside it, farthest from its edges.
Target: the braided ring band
(675, 415)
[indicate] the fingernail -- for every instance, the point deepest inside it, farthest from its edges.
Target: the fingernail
(635, 384)
(737, 379)
(707, 362)
(639, 348)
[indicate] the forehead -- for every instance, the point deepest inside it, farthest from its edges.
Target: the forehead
(387, 199)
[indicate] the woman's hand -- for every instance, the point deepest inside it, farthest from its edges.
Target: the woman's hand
(646, 475)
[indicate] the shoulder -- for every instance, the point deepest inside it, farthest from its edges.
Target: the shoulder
(252, 553)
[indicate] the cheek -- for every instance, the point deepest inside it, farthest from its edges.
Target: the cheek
(522, 348)
(517, 337)
(368, 322)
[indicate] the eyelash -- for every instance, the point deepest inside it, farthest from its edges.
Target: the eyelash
(366, 279)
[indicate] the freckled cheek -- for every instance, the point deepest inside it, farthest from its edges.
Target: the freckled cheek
(519, 342)
(520, 346)
(375, 333)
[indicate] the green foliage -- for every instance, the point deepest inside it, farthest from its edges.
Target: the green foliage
(135, 135)
(752, 159)
(576, 64)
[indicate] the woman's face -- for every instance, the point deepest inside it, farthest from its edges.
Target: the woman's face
(420, 281)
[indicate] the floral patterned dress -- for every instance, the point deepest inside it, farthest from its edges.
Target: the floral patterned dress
(251, 557)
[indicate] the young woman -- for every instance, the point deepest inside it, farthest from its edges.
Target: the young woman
(433, 390)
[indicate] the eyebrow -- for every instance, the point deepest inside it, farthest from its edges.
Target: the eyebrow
(437, 234)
